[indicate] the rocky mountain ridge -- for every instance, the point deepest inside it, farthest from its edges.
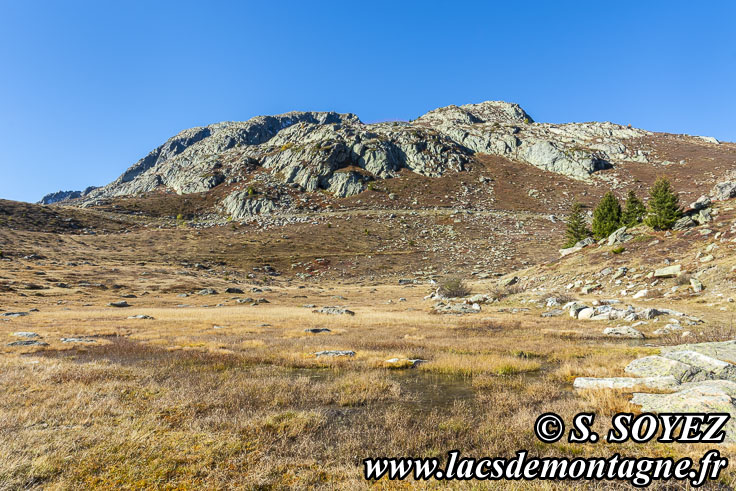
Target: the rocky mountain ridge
(262, 160)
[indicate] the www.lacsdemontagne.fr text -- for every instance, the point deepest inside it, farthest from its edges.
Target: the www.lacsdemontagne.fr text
(637, 471)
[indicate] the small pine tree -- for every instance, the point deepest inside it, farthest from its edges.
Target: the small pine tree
(606, 216)
(577, 230)
(664, 206)
(634, 210)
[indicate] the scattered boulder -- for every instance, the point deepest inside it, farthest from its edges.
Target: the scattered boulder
(234, 290)
(724, 190)
(701, 203)
(15, 314)
(334, 353)
(586, 313)
(553, 313)
(508, 281)
(627, 332)
(77, 340)
(650, 313)
(120, 304)
(696, 285)
(141, 316)
(640, 294)
(619, 237)
(684, 223)
(669, 328)
(25, 334)
(334, 311)
(317, 330)
(207, 291)
(579, 245)
(668, 271)
(587, 289)
(457, 308)
(403, 362)
(28, 342)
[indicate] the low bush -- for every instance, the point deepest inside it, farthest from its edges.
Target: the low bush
(454, 287)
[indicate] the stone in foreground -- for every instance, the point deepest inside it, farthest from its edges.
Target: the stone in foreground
(659, 366)
(712, 396)
(659, 383)
(717, 369)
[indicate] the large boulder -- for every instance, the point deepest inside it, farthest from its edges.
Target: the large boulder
(724, 190)
(668, 272)
(627, 332)
(626, 383)
(619, 237)
(701, 203)
(713, 367)
(684, 223)
(659, 366)
(712, 396)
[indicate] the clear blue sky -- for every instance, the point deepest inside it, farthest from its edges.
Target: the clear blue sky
(88, 88)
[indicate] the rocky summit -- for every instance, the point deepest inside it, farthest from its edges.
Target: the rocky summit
(260, 162)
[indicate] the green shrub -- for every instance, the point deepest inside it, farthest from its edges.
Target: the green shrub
(618, 250)
(577, 229)
(664, 206)
(634, 210)
(606, 216)
(454, 287)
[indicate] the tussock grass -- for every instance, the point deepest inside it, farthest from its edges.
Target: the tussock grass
(173, 402)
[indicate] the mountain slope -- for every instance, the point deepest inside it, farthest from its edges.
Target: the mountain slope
(257, 166)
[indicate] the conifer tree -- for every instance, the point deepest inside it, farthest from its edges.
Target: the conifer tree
(606, 216)
(664, 206)
(634, 210)
(577, 229)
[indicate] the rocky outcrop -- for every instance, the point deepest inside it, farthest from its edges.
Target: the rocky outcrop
(701, 378)
(60, 196)
(310, 151)
(241, 205)
(500, 128)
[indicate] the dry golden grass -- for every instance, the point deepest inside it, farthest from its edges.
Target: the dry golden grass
(174, 402)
